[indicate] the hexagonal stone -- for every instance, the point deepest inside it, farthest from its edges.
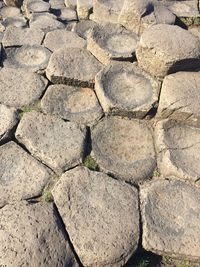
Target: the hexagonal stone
(124, 148)
(21, 175)
(66, 39)
(73, 66)
(111, 42)
(178, 149)
(14, 36)
(33, 57)
(59, 144)
(124, 89)
(72, 103)
(82, 27)
(165, 49)
(20, 87)
(84, 8)
(109, 210)
(32, 235)
(170, 216)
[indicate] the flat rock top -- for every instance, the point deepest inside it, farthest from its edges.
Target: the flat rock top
(100, 214)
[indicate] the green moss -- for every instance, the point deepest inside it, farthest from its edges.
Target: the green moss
(34, 107)
(185, 263)
(90, 163)
(47, 196)
(156, 173)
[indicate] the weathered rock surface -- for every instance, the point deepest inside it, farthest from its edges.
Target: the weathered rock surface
(21, 175)
(72, 103)
(73, 66)
(170, 216)
(165, 49)
(58, 144)
(20, 87)
(111, 42)
(15, 3)
(36, 6)
(83, 27)
(67, 14)
(178, 148)
(188, 8)
(71, 3)
(124, 89)
(101, 216)
(10, 11)
(124, 148)
(32, 235)
(84, 8)
(18, 22)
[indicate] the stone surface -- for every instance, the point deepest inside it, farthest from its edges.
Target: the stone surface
(124, 148)
(178, 149)
(73, 66)
(20, 87)
(82, 27)
(19, 22)
(109, 210)
(180, 97)
(111, 42)
(184, 8)
(9, 11)
(32, 57)
(71, 3)
(72, 103)
(59, 144)
(165, 49)
(170, 216)
(123, 89)
(84, 8)
(14, 3)
(66, 39)
(21, 175)
(36, 6)
(8, 120)
(32, 235)
(67, 14)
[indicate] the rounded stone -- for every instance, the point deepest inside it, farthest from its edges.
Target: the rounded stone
(111, 42)
(82, 27)
(20, 87)
(124, 148)
(72, 103)
(71, 4)
(170, 219)
(109, 210)
(18, 22)
(67, 14)
(9, 11)
(37, 6)
(164, 49)
(124, 89)
(32, 235)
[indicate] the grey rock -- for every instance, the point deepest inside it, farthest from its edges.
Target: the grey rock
(170, 216)
(165, 49)
(35, 6)
(32, 235)
(73, 66)
(21, 176)
(67, 14)
(20, 87)
(59, 144)
(84, 8)
(124, 89)
(124, 148)
(178, 149)
(9, 11)
(72, 103)
(57, 4)
(71, 4)
(101, 216)
(111, 42)
(18, 21)
(187, 9)
(82, 27)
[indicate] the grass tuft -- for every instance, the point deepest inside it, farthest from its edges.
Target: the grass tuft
(90, 163)
(34, 107)
(47, 196)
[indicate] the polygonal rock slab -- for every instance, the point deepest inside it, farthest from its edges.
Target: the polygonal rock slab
(66, 39)
(165, 49)
(111, 42)
(170, 216)
(180, 97)
(57, 143)
(82, 27)
(32, 235)
(73, 66)
(72, 103)
(178, 148)
(84, 8)
(122, 88)
(20, 87)
(124, 148)
(21, 175)
(8, 120)
(109, 210)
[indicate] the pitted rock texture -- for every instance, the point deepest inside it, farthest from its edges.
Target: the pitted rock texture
(124, 148)
(101, 216)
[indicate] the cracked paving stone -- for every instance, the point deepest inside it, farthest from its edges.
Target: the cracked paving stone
(124, 148)
(178, 148)
(111, 42)
(73, 66)
(101, 216)
(72, 103)
(58, 144)
(21, 175)
(32, 235)
(124, 89)
(20, 87)
(165, 49)
(170, 219)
